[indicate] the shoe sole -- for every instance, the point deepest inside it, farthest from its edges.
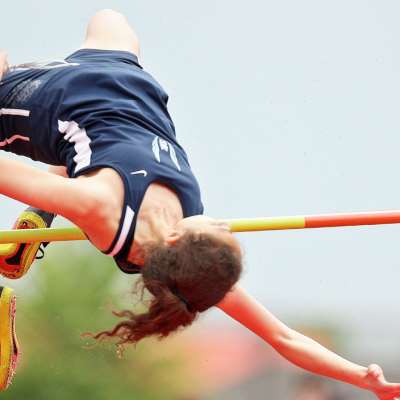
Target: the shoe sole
(31, 220)
(9, 349)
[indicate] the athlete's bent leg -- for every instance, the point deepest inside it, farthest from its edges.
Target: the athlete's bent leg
(110, 30)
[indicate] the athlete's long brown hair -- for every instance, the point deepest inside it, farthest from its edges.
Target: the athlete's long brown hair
(185, 279)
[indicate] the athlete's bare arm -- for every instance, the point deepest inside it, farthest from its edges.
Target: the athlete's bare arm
(72, 198)
(301, 350)
(3, 63)
(110, 30)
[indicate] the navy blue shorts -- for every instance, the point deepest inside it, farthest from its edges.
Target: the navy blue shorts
(93, 88)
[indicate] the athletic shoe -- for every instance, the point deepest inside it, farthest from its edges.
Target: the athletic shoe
(9, 349)
(16, 258)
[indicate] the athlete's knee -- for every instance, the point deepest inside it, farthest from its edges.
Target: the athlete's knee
(107, 14)
(109, 29)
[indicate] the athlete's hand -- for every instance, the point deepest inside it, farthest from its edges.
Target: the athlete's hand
(375, 382)
(3, 63)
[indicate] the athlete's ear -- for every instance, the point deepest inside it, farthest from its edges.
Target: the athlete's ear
(172, 238)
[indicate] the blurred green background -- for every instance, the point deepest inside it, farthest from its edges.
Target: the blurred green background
(71, 291)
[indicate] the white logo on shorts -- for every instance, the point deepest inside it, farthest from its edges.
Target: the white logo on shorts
(158, 145)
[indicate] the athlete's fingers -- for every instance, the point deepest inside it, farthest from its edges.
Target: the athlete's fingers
(3, 63)
(375, 371)
(6, 67)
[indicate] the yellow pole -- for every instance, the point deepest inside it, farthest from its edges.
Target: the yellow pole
(236, 225)
(41, 235)
(265, 224)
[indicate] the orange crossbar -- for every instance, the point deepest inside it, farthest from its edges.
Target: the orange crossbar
(353, 219)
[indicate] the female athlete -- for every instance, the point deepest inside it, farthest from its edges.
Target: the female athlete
(118, 172)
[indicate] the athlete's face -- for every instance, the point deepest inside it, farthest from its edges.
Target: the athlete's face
(201, 224)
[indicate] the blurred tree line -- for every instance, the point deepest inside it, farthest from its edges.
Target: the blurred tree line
(71, 291)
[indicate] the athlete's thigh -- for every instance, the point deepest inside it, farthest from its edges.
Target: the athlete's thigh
(110, 30)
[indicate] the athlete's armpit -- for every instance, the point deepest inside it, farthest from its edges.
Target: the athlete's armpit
(58, 170)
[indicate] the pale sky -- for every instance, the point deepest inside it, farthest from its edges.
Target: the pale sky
(284, 108)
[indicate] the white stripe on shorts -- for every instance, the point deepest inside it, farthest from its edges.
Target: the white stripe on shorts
(74, 134)
(14, 111)
(42, 65)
